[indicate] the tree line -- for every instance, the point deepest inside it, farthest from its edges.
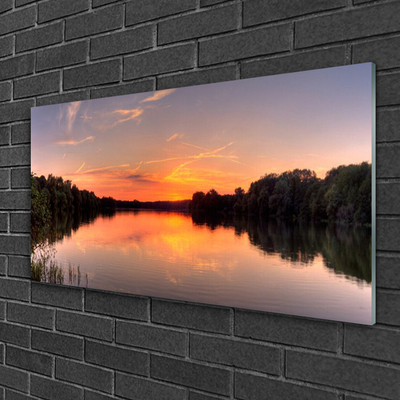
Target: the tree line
(344, 195)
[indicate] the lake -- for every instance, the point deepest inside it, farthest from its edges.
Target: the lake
(316, 271)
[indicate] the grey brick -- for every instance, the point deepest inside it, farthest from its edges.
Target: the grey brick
(160, 61)
(6, 46)
(63, 98)
(387, 89)
(29, 360)
(99, 3)
(387, 306)
(122, 42)
(382, 52)
(85, 325)
(6, 5)
(92, 74)
(57, 343)
(315, 59)
(19, 266)
(84, 374)
(199, 24)
(386, 161)
(117, 305)
(14, 289)
(13, 395)
(151, 337)
(3, 225)
(20, 177)
(103, 20)
(205, 3)
(39, 37)
(4, 141)
(19, 245)
(387, 123)
(347, 25)
(359, 376)
(13, 378)
(5, 91)
(146, 85)
(20, 134)
(269, 40)
(89, 395)
(19, 3)
(387, 195)
(235, 353)
(388, 272)
(20, 222)
(199, 77)
(16, 66)
(198, 376)
(260, 11)
(51, 389)
(388, 234)
(131, 387)
(251, 387)
(203, 318)
(146, 10)
(37, 85)
(10, 333)
(320, 335)
(31, 315)
(379, 344)
(56, 295)
(14, 200)
(3, 268)
(62, 56)
(17, 20)
(117, 358)
(2, 310)
(361, 2)
(201, 396)
(54, 9)
(12, 112)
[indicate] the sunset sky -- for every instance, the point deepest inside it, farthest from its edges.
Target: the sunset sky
(168, 144)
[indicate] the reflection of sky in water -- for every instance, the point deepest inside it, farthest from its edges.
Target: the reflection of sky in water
(166, 255)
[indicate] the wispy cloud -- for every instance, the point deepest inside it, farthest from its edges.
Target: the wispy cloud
(86, 117)
(80, 168)
(89, 171)
(158, 95)
(73, 142)
(175, 136)
(128, 114)
(72, 111)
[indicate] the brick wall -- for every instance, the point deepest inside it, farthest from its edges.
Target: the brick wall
(71, 343)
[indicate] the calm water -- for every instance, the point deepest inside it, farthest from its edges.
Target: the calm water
(321, 272)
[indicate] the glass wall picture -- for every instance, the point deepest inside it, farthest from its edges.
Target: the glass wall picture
(256, 193)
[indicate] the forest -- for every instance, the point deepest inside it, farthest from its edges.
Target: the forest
(344, 196)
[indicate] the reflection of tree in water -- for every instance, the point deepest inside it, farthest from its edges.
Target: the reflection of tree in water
(66, 223)
(345, 249)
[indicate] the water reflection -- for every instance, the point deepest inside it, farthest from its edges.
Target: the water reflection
(320, 271)
(346, 250)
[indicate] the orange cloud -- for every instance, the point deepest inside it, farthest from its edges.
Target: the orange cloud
(175, 136)
(73, 142)
(130, 115)
(158, 95)
(80, 168)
